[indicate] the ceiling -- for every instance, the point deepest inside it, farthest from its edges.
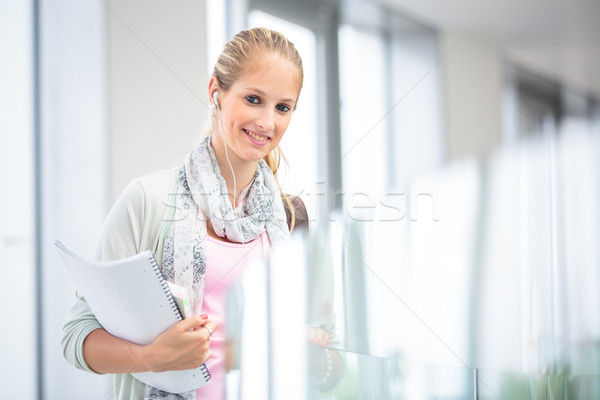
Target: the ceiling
(556, 39)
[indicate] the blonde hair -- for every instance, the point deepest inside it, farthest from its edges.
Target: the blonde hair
(237, 54)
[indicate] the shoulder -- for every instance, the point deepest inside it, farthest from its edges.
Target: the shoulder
(300, 213)
(150, 191)
(156, 184)
(151, 195)
(134, 220)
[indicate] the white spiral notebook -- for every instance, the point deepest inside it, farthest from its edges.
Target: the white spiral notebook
(131, 300)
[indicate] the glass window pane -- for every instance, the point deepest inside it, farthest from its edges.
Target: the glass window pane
(363, 109)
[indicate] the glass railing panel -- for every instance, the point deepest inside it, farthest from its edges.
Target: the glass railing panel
(537, 386)
(282, 329)
(487, 287)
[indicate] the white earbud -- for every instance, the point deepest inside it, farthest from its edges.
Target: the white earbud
(215, 97)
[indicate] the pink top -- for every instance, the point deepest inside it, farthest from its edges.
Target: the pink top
(224, 263)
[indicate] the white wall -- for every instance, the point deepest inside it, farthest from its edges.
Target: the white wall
(158, 85)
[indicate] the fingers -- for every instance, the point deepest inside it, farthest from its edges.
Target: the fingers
(210, 328)
(199, 322)
(184, 347)
(194, 322)
(318, 336)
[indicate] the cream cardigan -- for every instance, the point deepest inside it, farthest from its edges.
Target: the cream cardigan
(139, 220)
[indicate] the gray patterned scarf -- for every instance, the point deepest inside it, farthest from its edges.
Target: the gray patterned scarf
(201, 196)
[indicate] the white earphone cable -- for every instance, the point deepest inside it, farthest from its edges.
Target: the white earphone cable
(226, 154)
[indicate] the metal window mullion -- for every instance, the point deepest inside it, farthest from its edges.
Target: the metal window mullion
(37, 182)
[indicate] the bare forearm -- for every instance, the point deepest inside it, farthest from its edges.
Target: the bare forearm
(108, 354)
(185, 345)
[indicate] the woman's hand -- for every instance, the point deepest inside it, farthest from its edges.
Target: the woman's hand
(325, 363)
(185, 345)
(317, 336)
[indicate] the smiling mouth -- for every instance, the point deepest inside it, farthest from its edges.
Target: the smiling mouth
(255, 136)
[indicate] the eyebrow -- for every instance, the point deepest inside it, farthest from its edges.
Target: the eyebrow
(287, 100)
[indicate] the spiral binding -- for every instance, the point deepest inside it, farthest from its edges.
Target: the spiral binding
(165, 288)
(205, 372)
(203, 369)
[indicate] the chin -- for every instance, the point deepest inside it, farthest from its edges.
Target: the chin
(257, 155)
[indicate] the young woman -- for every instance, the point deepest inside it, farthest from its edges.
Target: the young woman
(203, 220)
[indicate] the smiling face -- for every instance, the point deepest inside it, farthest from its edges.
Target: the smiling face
(257, 108)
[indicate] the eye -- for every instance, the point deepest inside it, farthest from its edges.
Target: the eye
(282, 108)
(252, 99)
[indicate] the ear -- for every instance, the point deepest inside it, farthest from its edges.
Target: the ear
(213, 86)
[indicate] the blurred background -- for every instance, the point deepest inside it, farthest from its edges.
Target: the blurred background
(448, 151)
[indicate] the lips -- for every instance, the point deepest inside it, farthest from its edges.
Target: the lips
(256, 136)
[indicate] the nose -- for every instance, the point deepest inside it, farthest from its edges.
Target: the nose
(266, 119)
